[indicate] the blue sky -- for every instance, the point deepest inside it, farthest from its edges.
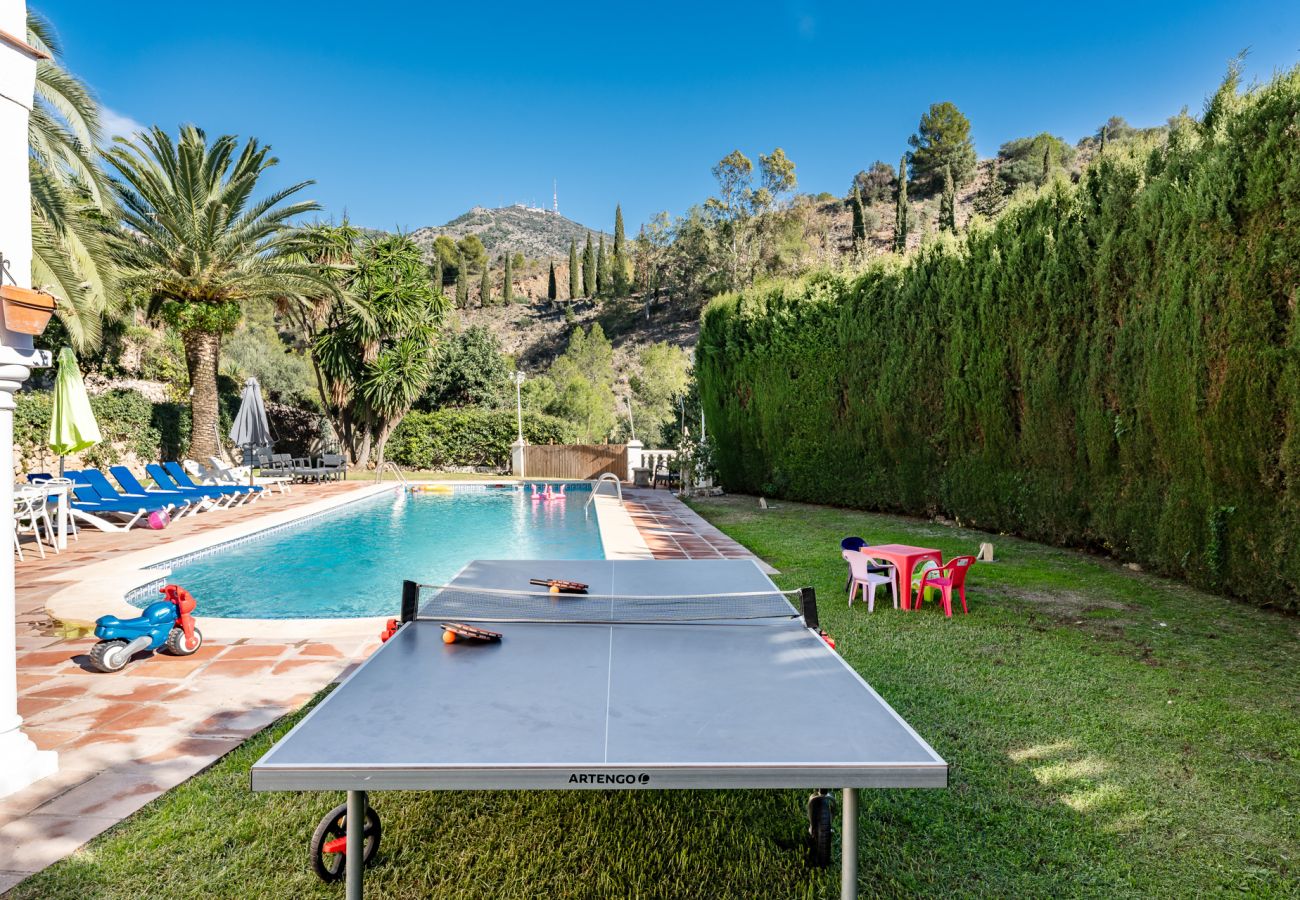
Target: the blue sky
(407, 114)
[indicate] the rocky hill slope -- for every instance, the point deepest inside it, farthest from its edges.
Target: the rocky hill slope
(536, 233)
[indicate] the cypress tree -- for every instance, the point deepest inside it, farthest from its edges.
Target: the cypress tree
(621, 281)
(1047, 163)
(575, 279)
(462, 288)
(900, 208)
(508, 288)
(552, 290)
(948, 203)
(602, 269)
(435, 273)
(485, 288)
(589, 269)
(859, 221)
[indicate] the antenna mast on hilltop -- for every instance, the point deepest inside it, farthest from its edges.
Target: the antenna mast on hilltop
(555, 196)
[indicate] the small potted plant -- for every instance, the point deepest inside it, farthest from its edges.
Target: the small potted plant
(26, 310)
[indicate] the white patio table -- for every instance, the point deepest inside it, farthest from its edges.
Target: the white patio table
(49, 489)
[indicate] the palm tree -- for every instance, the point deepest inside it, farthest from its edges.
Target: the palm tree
(72, 204)
(196, 246)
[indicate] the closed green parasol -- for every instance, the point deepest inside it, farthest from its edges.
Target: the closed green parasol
(72, 422)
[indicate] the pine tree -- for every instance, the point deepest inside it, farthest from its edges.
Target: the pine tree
(859, 221)
(622, 283)
(589, 269)
(552, 290)
(948, 203)
(485, 288)
(575, 279)
(602, 269)
(508, 287)
(900, 208)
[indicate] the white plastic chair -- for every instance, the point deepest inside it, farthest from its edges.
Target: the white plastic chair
(861, 576)
(28, 512)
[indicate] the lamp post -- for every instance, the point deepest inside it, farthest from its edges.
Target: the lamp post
(21, 762)
(519, 452)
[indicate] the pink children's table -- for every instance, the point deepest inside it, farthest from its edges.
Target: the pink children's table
(905, 559)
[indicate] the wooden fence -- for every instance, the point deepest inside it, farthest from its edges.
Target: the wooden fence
(575, 460)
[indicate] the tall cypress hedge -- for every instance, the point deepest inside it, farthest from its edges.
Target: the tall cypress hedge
(1114, 364)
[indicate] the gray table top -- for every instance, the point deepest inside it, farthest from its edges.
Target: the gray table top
(763, 703)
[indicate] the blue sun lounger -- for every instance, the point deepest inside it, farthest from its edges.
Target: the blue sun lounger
(191, 502)
(88, 506)
(221, 499)
(183, 480)
(174, 503)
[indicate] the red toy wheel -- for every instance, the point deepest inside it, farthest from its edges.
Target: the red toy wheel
(329, 843)
(176, 644)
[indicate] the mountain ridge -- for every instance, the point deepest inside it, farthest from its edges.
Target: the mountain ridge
(534, 232)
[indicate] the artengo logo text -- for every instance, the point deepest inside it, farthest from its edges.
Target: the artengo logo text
(598, 778)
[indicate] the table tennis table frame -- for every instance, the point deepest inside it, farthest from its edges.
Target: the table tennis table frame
(927, 776)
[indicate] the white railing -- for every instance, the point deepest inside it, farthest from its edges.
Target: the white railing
(654, 460)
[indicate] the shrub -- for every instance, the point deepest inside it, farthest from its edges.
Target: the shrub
(469, 437)
(1113, 364)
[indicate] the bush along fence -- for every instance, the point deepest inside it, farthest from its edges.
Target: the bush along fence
(139, 430)
(469, 438)
(1114, 364)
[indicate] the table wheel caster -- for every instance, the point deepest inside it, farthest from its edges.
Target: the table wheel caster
(820, 813)
(329, 843)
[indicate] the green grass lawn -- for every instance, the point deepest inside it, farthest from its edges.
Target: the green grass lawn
(1110, 734)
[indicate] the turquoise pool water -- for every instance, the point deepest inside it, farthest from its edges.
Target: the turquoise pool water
(351, 561)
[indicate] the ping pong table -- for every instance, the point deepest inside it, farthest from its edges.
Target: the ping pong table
(667, 674)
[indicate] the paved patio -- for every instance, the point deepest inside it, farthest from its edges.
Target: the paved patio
(124, 739)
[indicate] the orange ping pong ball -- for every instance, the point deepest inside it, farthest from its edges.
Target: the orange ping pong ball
(449, 637)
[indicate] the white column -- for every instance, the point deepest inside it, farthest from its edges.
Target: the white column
(634, 449)
(20, 762)
(517, 451)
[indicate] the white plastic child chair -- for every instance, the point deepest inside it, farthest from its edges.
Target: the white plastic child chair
(861, 576)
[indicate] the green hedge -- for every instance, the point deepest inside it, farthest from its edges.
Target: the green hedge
(1113, 364)
(469, 437)
(127, 420)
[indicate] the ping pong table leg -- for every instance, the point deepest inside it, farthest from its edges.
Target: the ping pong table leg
(848, 846)
(355, 848)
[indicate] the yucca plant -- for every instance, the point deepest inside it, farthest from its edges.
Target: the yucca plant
(72, 204)
(373, 341)
(196, 244)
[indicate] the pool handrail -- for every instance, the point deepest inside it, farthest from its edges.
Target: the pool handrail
(389, 464)
(605, 478)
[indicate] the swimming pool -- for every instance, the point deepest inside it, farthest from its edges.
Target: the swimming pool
(351, 561)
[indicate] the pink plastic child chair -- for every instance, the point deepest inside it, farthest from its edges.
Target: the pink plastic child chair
(951, 575)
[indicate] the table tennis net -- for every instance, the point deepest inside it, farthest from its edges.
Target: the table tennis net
(454, 603)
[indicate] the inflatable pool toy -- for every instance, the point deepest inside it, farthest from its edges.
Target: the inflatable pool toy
(548, 494)
(433, 488)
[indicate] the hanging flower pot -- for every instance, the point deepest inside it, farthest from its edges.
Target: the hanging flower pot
(26, 310)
